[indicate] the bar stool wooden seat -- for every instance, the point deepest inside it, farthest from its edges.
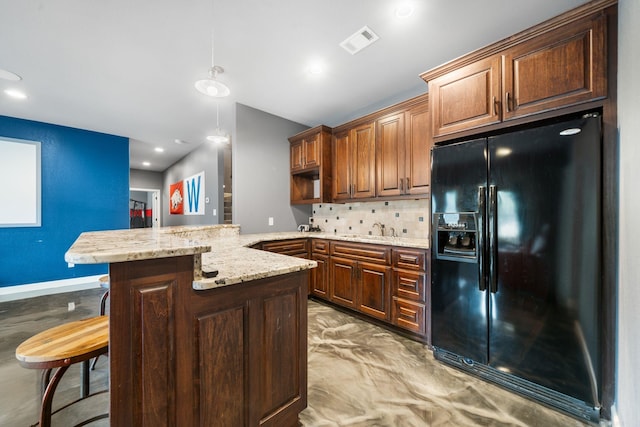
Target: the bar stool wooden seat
(61, 347)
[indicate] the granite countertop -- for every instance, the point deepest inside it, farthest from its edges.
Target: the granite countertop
(218, 247)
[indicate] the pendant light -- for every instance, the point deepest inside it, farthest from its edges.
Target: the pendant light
(211, 86)
(219, 137)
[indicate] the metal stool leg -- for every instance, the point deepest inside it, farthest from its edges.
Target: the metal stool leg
(47, 399)
(103, 306)
(84, 378)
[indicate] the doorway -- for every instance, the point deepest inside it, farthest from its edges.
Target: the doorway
(144, 208)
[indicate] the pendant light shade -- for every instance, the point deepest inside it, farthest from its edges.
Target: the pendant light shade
(218, 136)
(211, 86)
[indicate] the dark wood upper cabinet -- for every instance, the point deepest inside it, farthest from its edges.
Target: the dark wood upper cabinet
(417, 150)
(556, 64)
(563, 67)
(354, 164)
(466, 98)
(310, 166)
(390, 155)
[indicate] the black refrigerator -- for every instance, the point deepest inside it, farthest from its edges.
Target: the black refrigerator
(516, 261)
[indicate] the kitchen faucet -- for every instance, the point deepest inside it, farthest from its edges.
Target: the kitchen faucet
(381, 226)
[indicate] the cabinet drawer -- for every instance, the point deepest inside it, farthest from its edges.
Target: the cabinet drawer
(410, 259)
(288, 247)
(372, 253)
(410, 316)
(409, 285)
(320, 246)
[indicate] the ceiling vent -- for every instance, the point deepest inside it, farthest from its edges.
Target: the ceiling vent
(359, 40)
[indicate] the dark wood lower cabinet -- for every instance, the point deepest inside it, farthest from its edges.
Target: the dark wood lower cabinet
(374, 290)
(231, 356)
(343, 281)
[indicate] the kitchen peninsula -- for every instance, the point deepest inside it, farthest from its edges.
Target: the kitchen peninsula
(186, 349)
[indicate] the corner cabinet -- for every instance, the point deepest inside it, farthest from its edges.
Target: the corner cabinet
(559, 63)
(310, 166)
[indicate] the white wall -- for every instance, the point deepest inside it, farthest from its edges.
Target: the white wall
(628, 351)
(261, 173)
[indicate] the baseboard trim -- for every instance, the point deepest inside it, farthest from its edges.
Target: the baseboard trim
(12, 293)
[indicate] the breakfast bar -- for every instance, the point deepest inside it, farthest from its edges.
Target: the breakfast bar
(203, 329)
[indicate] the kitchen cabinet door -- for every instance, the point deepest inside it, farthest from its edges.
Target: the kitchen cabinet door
(559, 68)
(319, 279)
(390, 155)
(418, 143)
(363, 165)
(466, 98)
(374, 292)
(343, 281)
(342, 154)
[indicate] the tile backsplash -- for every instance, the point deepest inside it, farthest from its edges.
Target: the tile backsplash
(405, 218)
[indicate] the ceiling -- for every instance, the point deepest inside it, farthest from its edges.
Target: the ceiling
(128, 67)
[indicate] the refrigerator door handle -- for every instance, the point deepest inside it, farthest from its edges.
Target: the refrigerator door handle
(493, 239)
(482, 209)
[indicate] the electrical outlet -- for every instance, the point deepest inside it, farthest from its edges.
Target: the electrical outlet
(215, 212)
(71, 306)
(270, 220)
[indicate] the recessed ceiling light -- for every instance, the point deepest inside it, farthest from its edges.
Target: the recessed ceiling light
(159, 150)
(15, 94)
(8, 75)
(315, 68)
(146, 164)
(404, 10)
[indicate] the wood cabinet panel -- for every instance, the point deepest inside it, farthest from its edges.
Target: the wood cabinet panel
(342, 154)
(390, 155)
(319, 281)
(280, 362)
(294, 247)
(374, 293)
(410, 259)
(343, 282)
(296, 154)
(466, 98)
(409, 285)
(364, 161)
(560, 68)
(410, 316)
(418, 143)
(210, 357)
(359, 251)
(319, 246)
(221, 400)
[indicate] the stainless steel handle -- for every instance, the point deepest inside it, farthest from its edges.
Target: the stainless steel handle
(480, 240)
(493, 239)
(508, 101)
(408, 184)
(401, 185)
(495, 106)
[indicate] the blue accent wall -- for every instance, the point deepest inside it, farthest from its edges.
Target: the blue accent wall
(85, 187)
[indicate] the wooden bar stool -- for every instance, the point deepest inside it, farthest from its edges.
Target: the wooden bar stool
(61, 347)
